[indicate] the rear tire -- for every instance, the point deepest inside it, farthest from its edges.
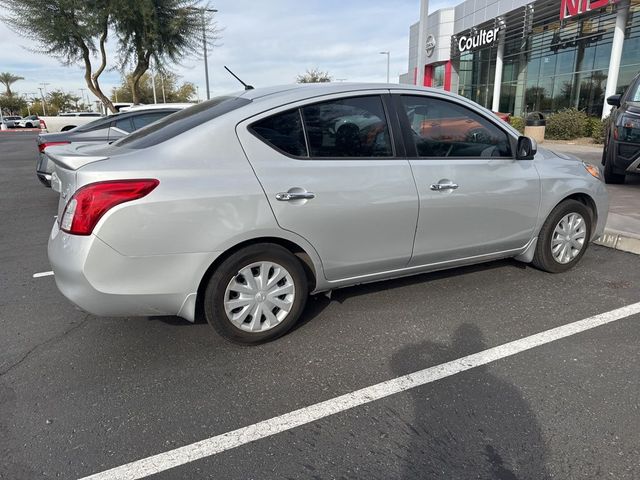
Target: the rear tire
(263, 280)
(567, 227)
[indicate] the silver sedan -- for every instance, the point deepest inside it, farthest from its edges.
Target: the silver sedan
(242, 206)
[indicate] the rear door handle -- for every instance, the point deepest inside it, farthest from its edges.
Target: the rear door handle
(288, 196)
(444, 186)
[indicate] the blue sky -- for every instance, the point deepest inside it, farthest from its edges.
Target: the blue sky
(265, 43)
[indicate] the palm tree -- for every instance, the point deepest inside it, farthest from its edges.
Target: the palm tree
(8, 79)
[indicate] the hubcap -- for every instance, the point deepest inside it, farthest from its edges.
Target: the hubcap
(568, 238)
(259, 296)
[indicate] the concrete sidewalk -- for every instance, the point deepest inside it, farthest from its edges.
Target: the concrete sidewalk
(623, 225)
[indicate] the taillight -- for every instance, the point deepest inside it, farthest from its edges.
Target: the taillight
(43, 125)
(91, 202)
(44, 145)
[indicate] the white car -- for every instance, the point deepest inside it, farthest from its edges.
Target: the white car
(11, 121)
(32, 121)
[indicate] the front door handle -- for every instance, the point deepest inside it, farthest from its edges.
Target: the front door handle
(288, 196)
(444, 186)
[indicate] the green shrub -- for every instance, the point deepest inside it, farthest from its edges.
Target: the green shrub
(517, 123)
(567, 124)
(597, 128)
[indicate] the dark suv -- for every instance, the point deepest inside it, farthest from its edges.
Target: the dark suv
(621, 155)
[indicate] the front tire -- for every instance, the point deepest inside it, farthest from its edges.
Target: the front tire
(610, 177)
(256, 295)
(563, 238)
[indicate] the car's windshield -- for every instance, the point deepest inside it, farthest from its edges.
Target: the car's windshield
(180, 122)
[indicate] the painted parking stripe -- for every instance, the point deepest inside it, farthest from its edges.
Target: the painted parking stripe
(42, 274)
(226, 441)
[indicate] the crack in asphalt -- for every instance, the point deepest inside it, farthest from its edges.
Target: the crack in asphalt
(45, 343)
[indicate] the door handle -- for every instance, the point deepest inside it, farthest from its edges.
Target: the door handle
(444, 186)
(288, 196)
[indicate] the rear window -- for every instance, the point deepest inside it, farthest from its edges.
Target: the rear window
(180, 122)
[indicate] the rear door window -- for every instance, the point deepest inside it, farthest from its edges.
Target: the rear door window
(124, 124)
(283, 132)
(350, 127)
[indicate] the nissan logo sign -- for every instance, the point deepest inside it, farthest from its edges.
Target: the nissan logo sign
(430, 45)
(484, 37)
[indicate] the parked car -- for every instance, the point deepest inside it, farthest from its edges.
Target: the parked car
(152, 106)
(32, 121)
(102, 130)
(66, 121)
(80, 114)
(621, 154)
(241, 206)
(11, 121)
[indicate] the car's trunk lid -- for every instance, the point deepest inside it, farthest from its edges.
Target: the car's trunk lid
(68, 159)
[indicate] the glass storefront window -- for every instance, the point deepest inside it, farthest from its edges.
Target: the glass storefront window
(556, 64)
(438, 76)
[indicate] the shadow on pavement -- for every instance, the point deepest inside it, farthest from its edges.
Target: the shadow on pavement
(473, 425)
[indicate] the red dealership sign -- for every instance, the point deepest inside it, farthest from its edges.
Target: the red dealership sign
(571, 8)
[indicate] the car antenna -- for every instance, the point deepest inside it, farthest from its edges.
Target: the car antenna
(246, 87)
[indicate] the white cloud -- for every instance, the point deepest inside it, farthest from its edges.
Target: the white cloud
(265, 43)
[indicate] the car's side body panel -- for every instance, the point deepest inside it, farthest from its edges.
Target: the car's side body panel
(363, 217)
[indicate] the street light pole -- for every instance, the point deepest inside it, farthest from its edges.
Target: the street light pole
(153, 85)
(44, 103)
(388, 54)
(82, 96)
(204, 47)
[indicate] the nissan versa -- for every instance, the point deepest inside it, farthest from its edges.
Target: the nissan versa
(243, 205)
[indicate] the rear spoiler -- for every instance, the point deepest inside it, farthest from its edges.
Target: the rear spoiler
(68, 157)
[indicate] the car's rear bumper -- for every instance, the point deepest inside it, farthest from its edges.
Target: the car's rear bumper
(101, 281)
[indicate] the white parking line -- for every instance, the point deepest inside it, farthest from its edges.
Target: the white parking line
(42, 274)
(226, 441)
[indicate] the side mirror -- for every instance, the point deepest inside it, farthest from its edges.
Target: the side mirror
(526, 148)
(614, 100)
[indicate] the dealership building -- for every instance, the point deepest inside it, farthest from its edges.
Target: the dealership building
(517, 56)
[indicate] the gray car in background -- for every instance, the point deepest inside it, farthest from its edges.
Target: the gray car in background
(102, 130)
(243, 205)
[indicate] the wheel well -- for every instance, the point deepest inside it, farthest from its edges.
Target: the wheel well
(295, 249)
(588, 202)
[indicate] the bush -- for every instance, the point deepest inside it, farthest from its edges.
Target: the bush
(567, 124)
(517, 123)
(597, 128)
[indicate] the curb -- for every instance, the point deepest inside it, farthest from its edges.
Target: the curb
(20, 130)
(624, 241)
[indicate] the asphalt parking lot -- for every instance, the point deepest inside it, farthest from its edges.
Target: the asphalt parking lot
(80, 395)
